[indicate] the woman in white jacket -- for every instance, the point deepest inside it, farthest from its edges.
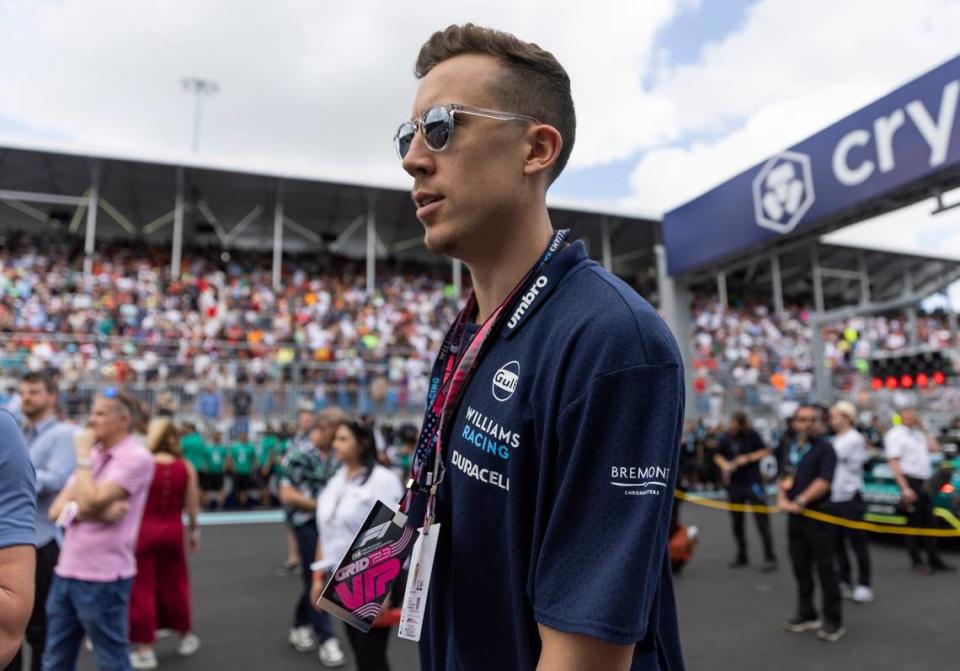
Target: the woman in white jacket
(341, 510)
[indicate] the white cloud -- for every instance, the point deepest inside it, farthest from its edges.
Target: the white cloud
(790, 70)
(319, 86)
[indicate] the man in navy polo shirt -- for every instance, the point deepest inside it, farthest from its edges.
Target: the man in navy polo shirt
(806, 463)
(560, 459)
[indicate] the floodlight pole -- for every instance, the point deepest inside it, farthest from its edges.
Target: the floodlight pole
(278, 236)
(177, 251)
(92, 206)
(371, 241)
(199, 87)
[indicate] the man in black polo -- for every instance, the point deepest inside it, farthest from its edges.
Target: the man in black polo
(739, 461)
(806, 466)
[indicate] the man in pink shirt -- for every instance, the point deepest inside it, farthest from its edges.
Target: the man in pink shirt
(100, 508)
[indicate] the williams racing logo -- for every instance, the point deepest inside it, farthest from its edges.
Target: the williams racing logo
(640, 480)
(505, 380)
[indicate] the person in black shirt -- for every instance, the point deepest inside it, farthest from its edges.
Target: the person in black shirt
(738, 459)
(806, 463)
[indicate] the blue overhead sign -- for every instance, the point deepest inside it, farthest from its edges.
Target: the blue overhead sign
(908, 135)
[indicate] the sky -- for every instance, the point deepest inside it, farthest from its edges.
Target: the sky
(673, 96)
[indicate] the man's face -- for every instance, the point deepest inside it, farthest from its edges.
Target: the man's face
(838, 421)
(35, 402)
(322, 434)
(910, 418)
(479, 176)
(109, 420)
(305, 420)
(805, 421)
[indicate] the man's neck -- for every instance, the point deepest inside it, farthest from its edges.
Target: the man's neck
(495, 276)
(36, 421)
(110, 443)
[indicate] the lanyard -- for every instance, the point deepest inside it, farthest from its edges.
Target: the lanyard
(448, 380)
(796, 455)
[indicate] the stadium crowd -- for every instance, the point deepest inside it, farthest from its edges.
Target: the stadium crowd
(220, 332)
(748, 348)
(221, 321)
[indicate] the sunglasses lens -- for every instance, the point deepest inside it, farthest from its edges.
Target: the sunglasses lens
(405, 135)
(437, 128)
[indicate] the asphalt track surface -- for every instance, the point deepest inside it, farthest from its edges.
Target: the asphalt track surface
(730, 619)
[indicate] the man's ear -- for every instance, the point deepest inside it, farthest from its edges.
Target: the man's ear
(544, 143)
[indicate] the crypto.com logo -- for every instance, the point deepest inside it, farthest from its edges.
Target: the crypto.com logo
(783, 191)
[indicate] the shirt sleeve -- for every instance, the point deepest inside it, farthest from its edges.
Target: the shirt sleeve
(18, 501)
(286, 466)
(130, 472)
(600, 564)
(892, 447)
(828, 462)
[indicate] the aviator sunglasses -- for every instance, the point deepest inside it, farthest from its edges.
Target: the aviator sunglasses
(437, 123)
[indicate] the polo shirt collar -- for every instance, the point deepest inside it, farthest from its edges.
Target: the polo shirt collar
(544, 285)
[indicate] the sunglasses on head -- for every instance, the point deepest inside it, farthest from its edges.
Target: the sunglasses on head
(115, 394)
(437, 123)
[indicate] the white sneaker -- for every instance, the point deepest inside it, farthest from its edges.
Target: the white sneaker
(845, 591)
(143, 659)
(863, 594)
(302, 638)
(331, 653)
(189, 644)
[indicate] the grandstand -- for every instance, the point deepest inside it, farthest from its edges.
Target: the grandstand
(177, 277)
(180, 275)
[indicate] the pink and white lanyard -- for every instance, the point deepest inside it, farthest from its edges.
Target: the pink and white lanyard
(451, 373)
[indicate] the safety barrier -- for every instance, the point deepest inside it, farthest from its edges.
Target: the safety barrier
(942, 513)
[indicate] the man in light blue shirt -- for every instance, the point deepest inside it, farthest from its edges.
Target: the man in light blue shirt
(50, 443)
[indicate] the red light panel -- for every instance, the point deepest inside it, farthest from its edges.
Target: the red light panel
(922, 380)
(877, 384)
(891, 382)
(939, 378)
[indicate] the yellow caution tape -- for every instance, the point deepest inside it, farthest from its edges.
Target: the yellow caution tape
(943, 513)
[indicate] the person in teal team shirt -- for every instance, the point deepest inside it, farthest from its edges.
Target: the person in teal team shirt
(194, 449)
(269, 454)
(216, 465)
(243, 461)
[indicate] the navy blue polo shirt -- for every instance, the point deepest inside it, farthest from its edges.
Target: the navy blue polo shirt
(560, 469)
(806, 462)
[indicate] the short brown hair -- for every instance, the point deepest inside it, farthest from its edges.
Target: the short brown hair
(46, 378)
(533, 81)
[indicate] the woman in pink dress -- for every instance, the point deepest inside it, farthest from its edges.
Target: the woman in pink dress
(160, 598)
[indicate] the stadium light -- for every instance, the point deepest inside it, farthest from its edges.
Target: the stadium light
(199, 87)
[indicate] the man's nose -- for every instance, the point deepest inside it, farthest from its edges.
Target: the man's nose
(419, 159)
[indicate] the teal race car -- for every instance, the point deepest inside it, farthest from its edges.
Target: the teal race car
(882, 495)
